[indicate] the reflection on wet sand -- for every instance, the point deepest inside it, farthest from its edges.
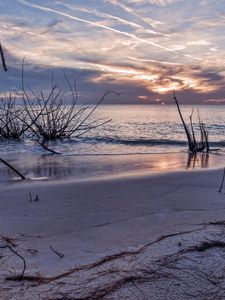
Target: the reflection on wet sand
(40, 168)
(198, 160)
(46, 167)
(50, 167)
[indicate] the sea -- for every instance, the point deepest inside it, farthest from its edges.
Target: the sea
(131, 141)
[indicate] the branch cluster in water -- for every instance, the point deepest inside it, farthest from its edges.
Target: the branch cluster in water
(47, 116)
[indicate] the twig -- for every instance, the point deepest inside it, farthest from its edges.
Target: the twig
(35, 199)
(8, 240)
(30, 197)
(221, 186)
(20, 277)
(44, 145)
(60, 255)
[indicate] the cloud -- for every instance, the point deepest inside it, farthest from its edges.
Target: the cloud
(145, 48)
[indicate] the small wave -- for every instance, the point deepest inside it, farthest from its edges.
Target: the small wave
(145, 142)
(135, 142)
(219, 144)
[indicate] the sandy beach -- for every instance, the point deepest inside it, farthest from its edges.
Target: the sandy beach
(112, 150)
(158, 236)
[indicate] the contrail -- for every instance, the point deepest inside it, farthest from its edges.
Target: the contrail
(133, 36)
(155, 61)
(103, 15)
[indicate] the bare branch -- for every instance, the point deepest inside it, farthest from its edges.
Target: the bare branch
(12, 168)
(3, 59)
(60, 255)
(10, 247)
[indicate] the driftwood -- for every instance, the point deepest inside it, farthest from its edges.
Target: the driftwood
(135, 273)
(194, 146)
(10, 246)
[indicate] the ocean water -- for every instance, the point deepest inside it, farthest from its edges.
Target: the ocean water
(140, 139)
(134, 129)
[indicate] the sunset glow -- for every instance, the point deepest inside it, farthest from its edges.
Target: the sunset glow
(139, 48)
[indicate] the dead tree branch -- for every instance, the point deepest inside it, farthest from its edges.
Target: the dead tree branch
(10, 114)
(193, 145)
(12, 168)
(50, 118)
(47, 116)
(3, 59)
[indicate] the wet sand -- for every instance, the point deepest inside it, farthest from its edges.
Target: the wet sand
(114, 236)
(83, 167)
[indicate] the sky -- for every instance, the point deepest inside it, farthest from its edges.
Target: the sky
(142, 49)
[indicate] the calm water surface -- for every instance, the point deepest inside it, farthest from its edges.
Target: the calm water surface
(135, 129)
(138, 139)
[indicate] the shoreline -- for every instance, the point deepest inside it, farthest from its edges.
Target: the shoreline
(17, 183)
(86, 167)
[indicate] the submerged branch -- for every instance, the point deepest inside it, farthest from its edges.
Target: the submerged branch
(12, 168)
(193, 145)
